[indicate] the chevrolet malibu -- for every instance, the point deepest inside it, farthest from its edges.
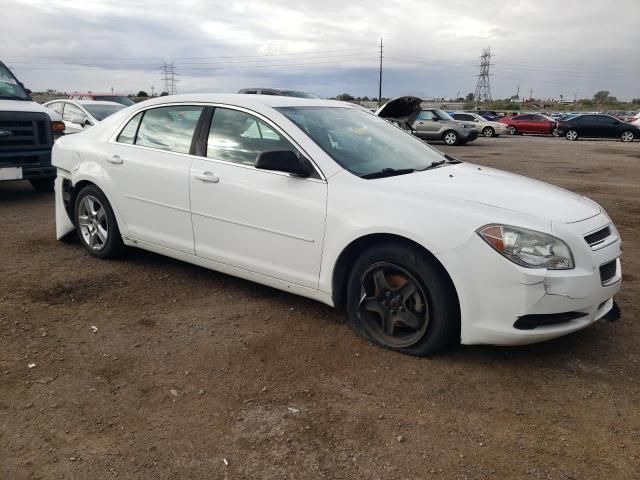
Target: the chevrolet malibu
(330, 202)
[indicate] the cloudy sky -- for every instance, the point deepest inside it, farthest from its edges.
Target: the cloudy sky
(431, 48)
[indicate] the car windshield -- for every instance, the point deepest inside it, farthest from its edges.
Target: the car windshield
(442, 114)
(123, 100)
(360, 142)
(9, 86)
(100, 112)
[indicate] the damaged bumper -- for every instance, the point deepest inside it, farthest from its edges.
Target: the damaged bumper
(504, 304)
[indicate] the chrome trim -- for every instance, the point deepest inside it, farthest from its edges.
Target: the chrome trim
(159, 204)
(271, 123)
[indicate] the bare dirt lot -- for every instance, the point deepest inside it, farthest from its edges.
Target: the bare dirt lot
(192, 374)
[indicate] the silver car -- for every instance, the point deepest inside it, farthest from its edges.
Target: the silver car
(484, 126)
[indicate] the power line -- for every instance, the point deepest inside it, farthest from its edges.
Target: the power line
(483, 88)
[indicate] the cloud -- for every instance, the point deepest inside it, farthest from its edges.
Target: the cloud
(329, 47)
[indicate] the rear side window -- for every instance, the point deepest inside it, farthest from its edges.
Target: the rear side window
(239, 137)
(169, 128)
(128, 133)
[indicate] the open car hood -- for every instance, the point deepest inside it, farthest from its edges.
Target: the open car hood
(403, 110)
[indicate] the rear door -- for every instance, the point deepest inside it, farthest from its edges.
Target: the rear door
(266, 222)
(148, 169)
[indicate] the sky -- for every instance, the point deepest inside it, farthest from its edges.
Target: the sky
(430, 48)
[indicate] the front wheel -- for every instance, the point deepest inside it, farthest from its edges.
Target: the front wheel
(627, 136)
(488, 132)
(450, 138)
(43, 185)
(571, 135)
(401, 299)
(96, 224)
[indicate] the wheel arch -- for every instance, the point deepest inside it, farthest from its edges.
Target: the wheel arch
(76, 185)
(352, 251)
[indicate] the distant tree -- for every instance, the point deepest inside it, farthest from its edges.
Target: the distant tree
(635, 101)
(345, 97)
(365, 99)
(469, 97)
(142, 93)
(601, 97)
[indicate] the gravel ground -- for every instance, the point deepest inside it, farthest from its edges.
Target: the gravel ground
(149, 368)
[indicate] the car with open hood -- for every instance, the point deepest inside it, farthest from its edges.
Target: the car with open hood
(431, 124)
(325, 200)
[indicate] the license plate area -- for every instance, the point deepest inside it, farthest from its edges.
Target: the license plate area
(11, 173)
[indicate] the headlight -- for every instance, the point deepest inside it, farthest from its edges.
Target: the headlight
(527, 247)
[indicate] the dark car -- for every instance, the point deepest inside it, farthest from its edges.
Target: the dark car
(597, 126)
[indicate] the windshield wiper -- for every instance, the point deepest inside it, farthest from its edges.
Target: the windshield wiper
(388, 172)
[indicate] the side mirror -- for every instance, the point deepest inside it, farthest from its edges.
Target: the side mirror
(284, 161)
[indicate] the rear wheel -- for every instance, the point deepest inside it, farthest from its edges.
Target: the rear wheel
(450, 137)
(488, 132)
(571, 135)
(554, 132)
(627, 136)
(43, 185)
(399, 298)
(96, 224)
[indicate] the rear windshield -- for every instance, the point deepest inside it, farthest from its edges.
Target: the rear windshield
(126, 101)
(100, 112)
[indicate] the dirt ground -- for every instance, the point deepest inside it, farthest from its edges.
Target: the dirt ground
(192, 374)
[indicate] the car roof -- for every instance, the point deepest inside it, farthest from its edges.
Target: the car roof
(96, 102)
(243, 100)
(94, 94)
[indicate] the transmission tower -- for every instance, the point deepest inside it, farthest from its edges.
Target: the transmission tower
(483, 89)
(169, 78)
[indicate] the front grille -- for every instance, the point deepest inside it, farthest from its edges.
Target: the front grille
(608, 271)
(24, 131)
(595, 238)
(530, 322)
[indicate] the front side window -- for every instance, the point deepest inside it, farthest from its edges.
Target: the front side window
(425, 115)
(169, 128)
(239, 137)
(360, 142)
(71, 112)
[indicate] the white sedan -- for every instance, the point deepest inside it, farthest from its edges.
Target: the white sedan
(328, 201)
(484, 126)
(80, 115)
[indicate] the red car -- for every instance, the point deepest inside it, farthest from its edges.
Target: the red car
(530, 123)
(103, 97)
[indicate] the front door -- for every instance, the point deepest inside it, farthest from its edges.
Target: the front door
(427, 125)
(148, 166)
(265, 222)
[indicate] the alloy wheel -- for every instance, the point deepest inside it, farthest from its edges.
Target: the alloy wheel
(450, 138)
(487, 132)
(92, 218)
(512, 130)
(572, 135)
(627, 136)
(393, 305)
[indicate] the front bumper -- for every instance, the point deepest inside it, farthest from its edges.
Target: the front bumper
(494, 293)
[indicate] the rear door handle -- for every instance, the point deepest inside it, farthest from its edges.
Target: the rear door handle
(115, 159)
(207, 177)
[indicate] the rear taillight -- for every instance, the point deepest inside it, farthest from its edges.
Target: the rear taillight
(57, 127)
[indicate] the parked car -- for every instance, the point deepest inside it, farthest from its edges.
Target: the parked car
(486, 127)
(597, 126)
(103, 97)
(327, 201)
(430, 124)
(27, 133)
(635, 120)
(79, 115)
(490, 115)
(530, 123)
(277, 91)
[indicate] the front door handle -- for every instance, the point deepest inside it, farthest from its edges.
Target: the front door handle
(207, 177)
(115, 159)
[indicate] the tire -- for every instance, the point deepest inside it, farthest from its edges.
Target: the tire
(512, 130)
(554, 132)
(43, 185)
(627, 136)
(415, 287)
(96, 224)
(450, 138)
(488, 132)
(571, 135)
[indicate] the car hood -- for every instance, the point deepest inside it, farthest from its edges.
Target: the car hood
(401, 109)
(27, 106)
(488, 186)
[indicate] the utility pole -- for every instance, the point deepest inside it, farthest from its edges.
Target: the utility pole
(483, 88)
(169, 77)
(380, 78)
(531, 94)
(152, 91)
